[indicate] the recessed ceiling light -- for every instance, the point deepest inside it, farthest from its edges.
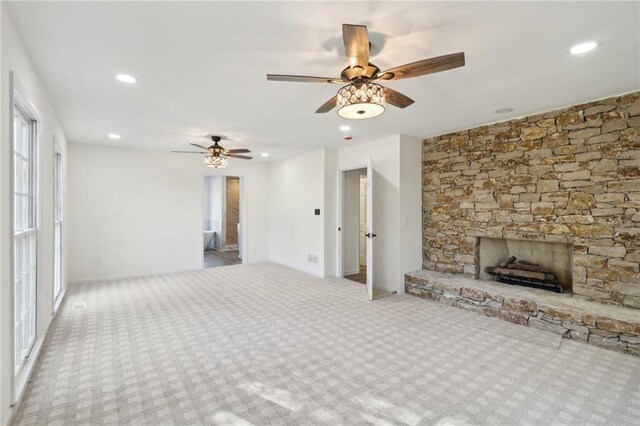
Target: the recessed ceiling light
(114, 136)
(503, 110)
(345, 128)
(264, 154)
(126, 78)
(583, 47)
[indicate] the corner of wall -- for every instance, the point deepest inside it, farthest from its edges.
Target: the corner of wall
(410, 206)
(330, 209)
(14, 57)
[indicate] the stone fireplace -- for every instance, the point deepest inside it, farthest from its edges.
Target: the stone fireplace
(559, 190)
(554, 257)
(569, 179)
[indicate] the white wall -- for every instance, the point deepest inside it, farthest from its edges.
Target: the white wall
(14, 58)
(410, 208)
(302, 183)
(328, 211)
(297, 186)
(138, 212)
(132, 212)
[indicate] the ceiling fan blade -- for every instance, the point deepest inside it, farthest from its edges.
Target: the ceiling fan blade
(241, 157)
(199, 146)
(426, 66)
(328, 106)
(303, 79)
(396, 98)
(356, 45)
(190, 152)
(237, 151)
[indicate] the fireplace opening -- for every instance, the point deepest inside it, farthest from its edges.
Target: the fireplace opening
(535, 264)
(525, 273)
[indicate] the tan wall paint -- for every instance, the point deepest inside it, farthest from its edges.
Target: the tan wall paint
(233, 210)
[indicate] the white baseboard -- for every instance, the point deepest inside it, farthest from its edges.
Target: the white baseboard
(128, 276)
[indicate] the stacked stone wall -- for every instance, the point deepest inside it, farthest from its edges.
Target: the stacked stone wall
(571, 175)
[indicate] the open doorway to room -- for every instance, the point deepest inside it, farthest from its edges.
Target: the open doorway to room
(222, 221)
(355, 225)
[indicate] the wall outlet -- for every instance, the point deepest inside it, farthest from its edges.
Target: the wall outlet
(312, 258)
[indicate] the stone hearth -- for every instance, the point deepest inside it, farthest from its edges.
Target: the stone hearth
(570, 176)
(606, 326)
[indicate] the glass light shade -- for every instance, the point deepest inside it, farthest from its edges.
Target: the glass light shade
(360, 101)
(216, 162)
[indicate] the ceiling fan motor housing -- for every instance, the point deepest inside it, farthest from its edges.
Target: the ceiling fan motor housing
(359, 73)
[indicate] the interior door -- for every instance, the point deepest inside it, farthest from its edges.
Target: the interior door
(362, 221)
(370, 229)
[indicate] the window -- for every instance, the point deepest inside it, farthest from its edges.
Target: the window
(24, 227)
(57, 278)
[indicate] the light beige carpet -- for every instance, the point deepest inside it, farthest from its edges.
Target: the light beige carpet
(264, 344)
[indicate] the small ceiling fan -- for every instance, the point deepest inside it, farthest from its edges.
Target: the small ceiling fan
(362, 97)
(217, 156)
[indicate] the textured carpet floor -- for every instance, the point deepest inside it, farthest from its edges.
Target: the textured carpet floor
(264, 344)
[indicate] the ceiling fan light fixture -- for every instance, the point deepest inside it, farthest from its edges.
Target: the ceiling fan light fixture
(359, 101)
(216, 162)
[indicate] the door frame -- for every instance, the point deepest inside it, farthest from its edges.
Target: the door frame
(243, 238)
(340, 239)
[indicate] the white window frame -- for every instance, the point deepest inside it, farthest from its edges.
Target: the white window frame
(58, 212)
(21, 105)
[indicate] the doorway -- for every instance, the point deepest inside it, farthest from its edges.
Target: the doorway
(355, 225)
(222, 220)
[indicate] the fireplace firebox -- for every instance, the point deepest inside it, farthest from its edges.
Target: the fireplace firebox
(536, 264)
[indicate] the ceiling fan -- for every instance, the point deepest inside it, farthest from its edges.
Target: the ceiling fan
(362, 97)
(217, 156)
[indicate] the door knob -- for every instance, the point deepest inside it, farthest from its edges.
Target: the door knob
(368, 235)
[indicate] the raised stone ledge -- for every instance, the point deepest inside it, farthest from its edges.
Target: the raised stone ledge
(606, 326)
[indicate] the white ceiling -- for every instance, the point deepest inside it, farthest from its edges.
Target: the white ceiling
(201, 66)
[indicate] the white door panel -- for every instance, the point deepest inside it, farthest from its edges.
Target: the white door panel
(370, 229)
